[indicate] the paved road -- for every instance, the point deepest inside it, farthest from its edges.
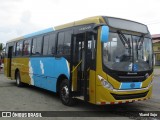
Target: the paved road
(157, 72)
(31, 98)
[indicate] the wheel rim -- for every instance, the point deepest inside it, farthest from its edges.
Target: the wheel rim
(65, 93)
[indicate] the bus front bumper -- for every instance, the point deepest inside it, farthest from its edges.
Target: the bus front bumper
(106, 96)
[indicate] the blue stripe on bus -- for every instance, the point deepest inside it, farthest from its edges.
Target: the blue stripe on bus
(39, 32)
(131, 85)
(44, 71)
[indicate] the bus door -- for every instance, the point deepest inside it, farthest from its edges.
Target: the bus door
(80, 57)
(9, 60)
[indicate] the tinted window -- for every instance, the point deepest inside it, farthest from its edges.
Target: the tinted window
(60, 43)
(19, 48)
(34, 46)
(46, 45)
(64, 42)
(52, 44)
(14, 49)
(49, 44)
(67, 43)
(37, 46)
(27, 47)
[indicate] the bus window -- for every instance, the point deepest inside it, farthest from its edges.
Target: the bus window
(37, 46)
(60, 43)
(67, 43)
(34, 46)
(14, 49)
(19, 48)
(45, 45)
(52, 40)
(64, 43)
(27, 47)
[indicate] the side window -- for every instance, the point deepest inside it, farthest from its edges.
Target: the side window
(60, 43)
(45, 45)
(37, 46)
(19, 48)
(52, 40)
(64, 42)
(27, 47)
(91, 47)
(14, 49)
(34, 46)
(67, 43)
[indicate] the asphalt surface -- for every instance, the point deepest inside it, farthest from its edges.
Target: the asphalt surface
(29, 98)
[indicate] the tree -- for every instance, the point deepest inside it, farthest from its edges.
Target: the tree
(1, 47)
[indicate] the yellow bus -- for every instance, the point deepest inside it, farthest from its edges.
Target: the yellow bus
(101, 60)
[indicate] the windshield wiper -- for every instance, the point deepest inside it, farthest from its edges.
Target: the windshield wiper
(129, 46)
(140, 42)
(125, 42)
(124, 39)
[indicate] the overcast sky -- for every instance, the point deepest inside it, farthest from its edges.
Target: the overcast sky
(19, 17)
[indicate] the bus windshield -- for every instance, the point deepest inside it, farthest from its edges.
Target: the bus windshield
(129, 53)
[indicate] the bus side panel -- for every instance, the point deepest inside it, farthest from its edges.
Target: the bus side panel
(21, 64)
(92, 86)
(24, 70)
(14, 66)
(6, 66)
(44, 71)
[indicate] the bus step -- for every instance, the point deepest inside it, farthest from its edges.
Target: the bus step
(76, 93)
(80, 97)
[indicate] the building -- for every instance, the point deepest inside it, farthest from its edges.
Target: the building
(156, 48)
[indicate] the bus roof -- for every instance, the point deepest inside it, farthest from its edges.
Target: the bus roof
(89, 20)
(96, 20)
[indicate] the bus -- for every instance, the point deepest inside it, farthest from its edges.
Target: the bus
(101, 60)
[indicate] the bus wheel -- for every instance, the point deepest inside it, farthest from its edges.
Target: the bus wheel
(64, 94)
(18, 80)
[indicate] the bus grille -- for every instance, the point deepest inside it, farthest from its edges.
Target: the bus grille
(129, 96)
(131, 78)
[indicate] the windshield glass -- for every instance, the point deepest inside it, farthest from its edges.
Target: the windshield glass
(128, 53)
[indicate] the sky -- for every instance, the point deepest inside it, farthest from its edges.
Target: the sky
(20, 17)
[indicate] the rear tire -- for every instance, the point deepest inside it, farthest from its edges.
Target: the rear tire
(18, 80)
(65, 95)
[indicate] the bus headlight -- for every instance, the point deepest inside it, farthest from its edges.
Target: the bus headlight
(105, 83)
(150, 83)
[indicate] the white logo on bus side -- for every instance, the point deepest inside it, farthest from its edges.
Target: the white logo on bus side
(42, 67)
(85, 28)
(31, 73)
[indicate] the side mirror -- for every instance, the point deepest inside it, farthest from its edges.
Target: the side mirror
(104, 33)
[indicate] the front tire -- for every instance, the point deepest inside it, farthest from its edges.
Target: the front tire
(18, 80)
(65, 95)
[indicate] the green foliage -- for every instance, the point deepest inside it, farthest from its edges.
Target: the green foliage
(1, 46)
